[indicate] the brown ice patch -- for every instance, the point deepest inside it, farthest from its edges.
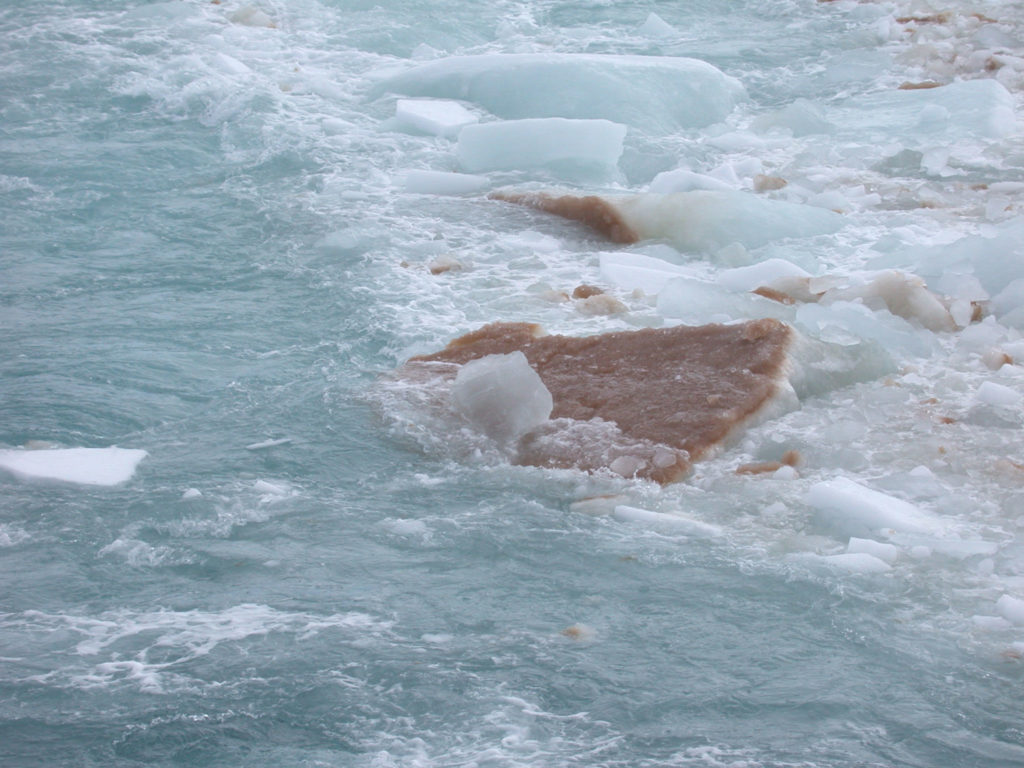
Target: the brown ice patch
(642, 403)
(596, 212)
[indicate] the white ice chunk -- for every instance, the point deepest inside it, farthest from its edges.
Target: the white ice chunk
(84, 466)
(1000, 395)
(655, 26)
(663, 93)
(502, 396)
(856, 562)
(251, 16)
(631, 271)
(705, 220)
(763, 273)
(685, 180)
(1011, 609)
(556, 143)
(436, 117)
(662, 521)
(888, 553)
(443, 183)
(855, 509)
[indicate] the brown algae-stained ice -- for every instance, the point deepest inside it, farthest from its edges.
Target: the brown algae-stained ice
(645, 403)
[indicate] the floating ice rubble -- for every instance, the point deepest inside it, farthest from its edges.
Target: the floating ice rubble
(698, 220)
(82, 466)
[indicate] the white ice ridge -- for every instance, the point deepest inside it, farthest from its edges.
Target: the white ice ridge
(552, 142)
(502, 396)
(84, 466)
(659, 92)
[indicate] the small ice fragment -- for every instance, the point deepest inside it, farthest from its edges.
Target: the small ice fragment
(857, 562)
(885, 552)
(443, 183)
(272, 489)
(250, 16)
(685, 525)
(434, 116)
(191, 493)
(764, 273)
(406, 527)
(852, 507)
(84, 466)
(552, 142)
(1011, 609)
(1000, 395)
(685, 180)
(655, 26)
(502, 396)
(597, 505)
(267, 444)
(993, 623)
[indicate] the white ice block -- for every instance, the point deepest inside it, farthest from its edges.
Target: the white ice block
(83, 466)
(502, 396)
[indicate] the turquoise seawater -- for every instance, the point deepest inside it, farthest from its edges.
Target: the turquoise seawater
(207, 252)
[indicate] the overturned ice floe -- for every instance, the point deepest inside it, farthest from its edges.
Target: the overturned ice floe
(660, 92)
(698, 220)
(642, 403)
(84, 466)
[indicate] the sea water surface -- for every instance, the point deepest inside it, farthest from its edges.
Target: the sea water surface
(217, 241)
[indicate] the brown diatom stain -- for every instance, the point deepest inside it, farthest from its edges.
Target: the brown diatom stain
(789, 459)
(596, 212)
(585, 291)
(641, 403)
(922, 86)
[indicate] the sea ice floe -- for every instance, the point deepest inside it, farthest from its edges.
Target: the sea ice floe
(570, 146)
(856, 510)
(666, 522)
(980, 108)
(700, 220)
(888, 553)
(83, 466)
(636, 403)
(654, 92)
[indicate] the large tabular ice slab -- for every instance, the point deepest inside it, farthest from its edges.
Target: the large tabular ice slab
(557, 143)
(639, 403)
(84, 466)
(650, 92)
(699, 220)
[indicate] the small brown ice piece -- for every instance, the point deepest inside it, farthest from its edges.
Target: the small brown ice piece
(642, 403)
